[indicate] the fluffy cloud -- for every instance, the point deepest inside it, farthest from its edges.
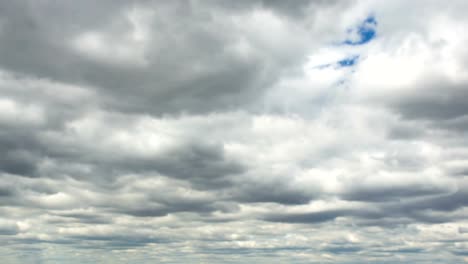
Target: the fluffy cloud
(233, 131)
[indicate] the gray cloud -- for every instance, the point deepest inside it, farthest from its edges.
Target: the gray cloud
(395, 193)
(187, 64)
(434, 103)
(204, 131)
(315, 217)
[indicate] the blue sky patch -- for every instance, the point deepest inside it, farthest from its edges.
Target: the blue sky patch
(345, 62)
(366, 31)
(348, 62)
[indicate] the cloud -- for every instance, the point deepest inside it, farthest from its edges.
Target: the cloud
(185, 61)
(315, 217)
(233, 131)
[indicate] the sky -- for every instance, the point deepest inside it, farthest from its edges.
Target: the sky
(206, 131)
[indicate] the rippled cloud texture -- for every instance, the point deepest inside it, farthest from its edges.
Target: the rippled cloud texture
(233, 131)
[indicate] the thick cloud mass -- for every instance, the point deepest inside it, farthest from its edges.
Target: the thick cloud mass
(233, 131)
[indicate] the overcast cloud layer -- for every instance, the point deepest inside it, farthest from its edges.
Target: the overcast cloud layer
(233, 131)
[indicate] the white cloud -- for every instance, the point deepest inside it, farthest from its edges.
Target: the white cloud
(212, 132)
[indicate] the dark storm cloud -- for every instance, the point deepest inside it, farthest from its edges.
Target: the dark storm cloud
(5, 191)
(434, 103)
(445, 203)
(119, 240)
(392, 208)
(458, 124)
(255, 251)
(18, 163)
(413, 250)
(303, 218)
(342, 249)
(81, 218)
(20, 151)
(150, 209)
(393, 193)
(460, 252)
(436, 99)
(438, 208)
(270, 192)
(8, 229)
(203, 165)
